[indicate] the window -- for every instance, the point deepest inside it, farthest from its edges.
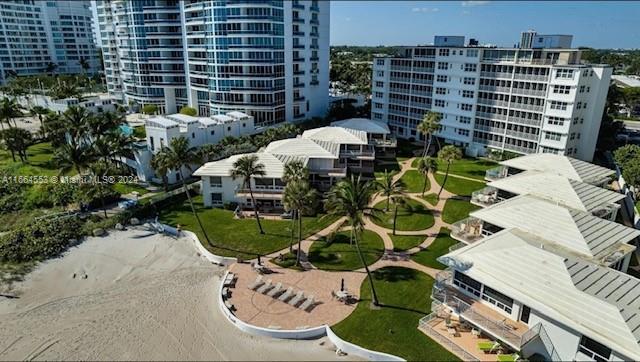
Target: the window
(561, 89)
(379, 61)
(582, 89)
(467, 94)
(579, 105)
(377, 105)
(562, 106)
(443, 52)
(466, 107)
(380, 73)
(573, 136)
(377, 116)
(379, 94)
(215, 181)
(467, 283)
(552, 136)
(555, 121)
(462, 132)
(379, 84)
(440, 90)
(469, 80)
(472, 53)
(216, 198)
(470, 67)
(443, 65)
(442, 78)
(564, 73)
(525, 312)
(584, 106)
(439, 103)
(213, 132)
(464, 119)
(594, 350)
(498, 299)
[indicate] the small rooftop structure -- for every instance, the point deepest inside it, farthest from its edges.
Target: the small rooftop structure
(562, 165)
(600, 303)
(558, 189)
(273, 166)
(160, 122)
(570, 231)
(337, 135)
(626, 81)
(363, 124)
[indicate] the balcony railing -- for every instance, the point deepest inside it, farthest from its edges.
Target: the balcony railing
(495, 173)
(427, 323)
(389, 142)
(486, 197)
(357, 154)
(469, 230)
(523, 135)
(335, 172)
(520, 149)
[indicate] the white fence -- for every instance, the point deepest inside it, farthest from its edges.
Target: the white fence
(220, 260)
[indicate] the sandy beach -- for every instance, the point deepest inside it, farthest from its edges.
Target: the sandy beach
(131, 295)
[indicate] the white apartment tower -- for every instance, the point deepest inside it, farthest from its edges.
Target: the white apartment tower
(522, 100)
(268, 58)
(35, 34)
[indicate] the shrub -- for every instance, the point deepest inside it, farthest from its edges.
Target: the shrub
(230, 205)
(149, 109)
(41, 240)
(189, 111)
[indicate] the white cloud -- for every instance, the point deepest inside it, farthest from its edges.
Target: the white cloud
(474, 3)
(425, 10)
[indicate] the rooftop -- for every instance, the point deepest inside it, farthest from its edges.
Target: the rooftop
(337, 135)
(558, 189)
(304, 147)
(627, 80)
(160, 122)
(363, 124)
(572, 232)
(601, 303)
(273, 166)
(562, 165)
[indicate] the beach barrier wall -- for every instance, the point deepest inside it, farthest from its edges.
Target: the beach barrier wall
(220, 260)
(354, 349)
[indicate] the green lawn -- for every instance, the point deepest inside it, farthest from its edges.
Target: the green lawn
(238, 237)
(406, 242)
(414, 181)
(468, 167)
(411, 216)
(459, 186)
(341, 255)
(438, 247)
(288, 260)
(381, 167)
(123, 188)
(431, 198)
(392, 328)
(39, 162)
(456, 210)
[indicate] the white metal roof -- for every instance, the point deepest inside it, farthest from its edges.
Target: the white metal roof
(627, 80)
(558, 189)
(273, 166)
(160, 122)
(576, 231)
(562, 165)
(364, 124)
(304, 147)
(182, 118)
(512, 263)
(236, 114)
(222, 118)
(337, 135)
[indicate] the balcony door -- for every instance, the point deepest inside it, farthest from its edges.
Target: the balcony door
(525, 312)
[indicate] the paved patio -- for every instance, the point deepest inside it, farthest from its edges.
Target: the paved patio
(464, 340)
(264, 311)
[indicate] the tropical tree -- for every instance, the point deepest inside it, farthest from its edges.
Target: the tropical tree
(84, 64)
(210, 152)
(149, 109)
(40, 112)
(161, 164)
(429, 125)
(189, 111)
(350, 198)
(16, 140)
(301, 197)
(9, 110)
(294, 171)
(398, 200)
(389, 187)
(51, 68)
(73, 156)
(427, 165)
(247, 167)
(448, 154)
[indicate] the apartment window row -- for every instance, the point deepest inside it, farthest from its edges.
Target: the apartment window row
(556, 121)
(561, 89)
(584, 89)
(581, 105)
(462, 132)
(486, 293)
(553, 136)
(443, 65)
(469, 80)
(564, 73)
(561, 106)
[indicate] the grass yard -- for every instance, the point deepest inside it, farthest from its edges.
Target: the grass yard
(287, 260)
(431, 198)
(438, 247)
(456, 210)
(393, 327)
(39, 162)
(238, 237)
(124, 189)
(414, 181)
(380, 168)
(468, 167)
(406, 242)
(339, 254)
(459, 186)
(411, 216)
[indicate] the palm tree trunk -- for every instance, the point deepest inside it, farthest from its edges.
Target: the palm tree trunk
(193, 210)
(387, 208)
(426, 152)
(165, 183)
(13, 155)
(255, 209)
(374, 295)
(299, 237)
(445, 180)
(293, 230)
(424, 186)
(395, 217)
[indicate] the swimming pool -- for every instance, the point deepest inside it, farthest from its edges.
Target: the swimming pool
(126, 129)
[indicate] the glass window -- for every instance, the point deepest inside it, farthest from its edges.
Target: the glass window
(593, 349)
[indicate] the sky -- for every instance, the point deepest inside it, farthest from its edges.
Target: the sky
(605, 24)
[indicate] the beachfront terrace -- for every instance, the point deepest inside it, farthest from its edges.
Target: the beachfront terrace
(472, 229)
(489, 196)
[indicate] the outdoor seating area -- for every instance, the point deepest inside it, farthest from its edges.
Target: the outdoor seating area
(485, 197)
(289, 299)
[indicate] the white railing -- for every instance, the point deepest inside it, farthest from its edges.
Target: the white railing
(425, 326)
(539, 331)
(527, 136)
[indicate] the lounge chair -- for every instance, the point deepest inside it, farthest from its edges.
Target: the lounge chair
(275, 290)
(286, 295)
(265, 287)
(307, 303)
(229, 279)
(297, 299)
(225, 292)
(508, 357)
(488, 347)
(258, 282)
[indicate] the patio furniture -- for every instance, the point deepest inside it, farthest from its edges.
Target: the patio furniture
(225, 292)
(258, 282)
(286, 295)
(452, 331)
(342, 295)
(297, 299)
(260, 269)
(508, 357)
(229, 306)
(308, 303)
(488, 347)
(265, 287)
(229, 279)
(275, 290)
(475, 332)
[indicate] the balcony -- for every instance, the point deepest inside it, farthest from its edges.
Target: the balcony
(496, 173)
(380, 142)
(268, 193)
(486, 197)
(298, 20)
(357, 154)
(522, 135)
(519, 149)
(469, 230)
(298, 85)
(332, 172)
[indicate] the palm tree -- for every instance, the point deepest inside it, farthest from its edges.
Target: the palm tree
(16, 140)
(389, 187)
(84, 64)
(74, 156)
(350, 198)
(425, 165)
(209, 152)
(51, 68)
(246, 167)
(160, 163)
(181, 155)
(398, 200)
(301, 197)
(429, 125)
(294, 171)
(448, 154)
(9, 110)
(39, 112)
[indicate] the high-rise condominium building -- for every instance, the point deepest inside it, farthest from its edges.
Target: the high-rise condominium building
(523, 100)
(35, 35)
(268, 58)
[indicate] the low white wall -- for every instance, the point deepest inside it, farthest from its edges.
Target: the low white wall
(351, 348)
(220, 260)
